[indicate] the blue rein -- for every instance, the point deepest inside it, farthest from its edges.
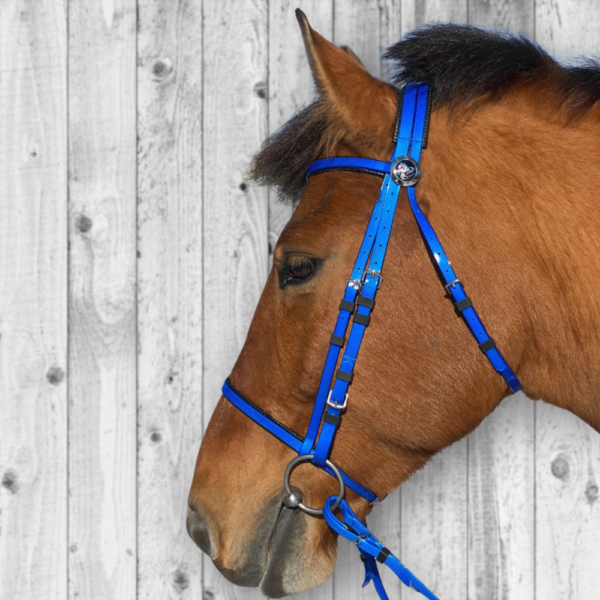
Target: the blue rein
(357, 304)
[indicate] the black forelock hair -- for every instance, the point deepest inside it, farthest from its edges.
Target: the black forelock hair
(459, 62)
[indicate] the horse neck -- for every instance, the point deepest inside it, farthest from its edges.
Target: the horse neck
(518, 191)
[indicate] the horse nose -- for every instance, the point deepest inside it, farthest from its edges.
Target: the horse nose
(197, 530)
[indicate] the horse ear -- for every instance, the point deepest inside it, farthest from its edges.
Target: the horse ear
(365, 104)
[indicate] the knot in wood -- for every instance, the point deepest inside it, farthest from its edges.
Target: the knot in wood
(162, 68)
(560, 467)
(55, 375)
(84, 224)
(181, 579)
(10, 482)
(260, 89)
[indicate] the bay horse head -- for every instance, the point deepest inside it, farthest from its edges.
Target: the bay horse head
(504, 113)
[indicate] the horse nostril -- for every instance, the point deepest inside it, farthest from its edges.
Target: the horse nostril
(197, 530)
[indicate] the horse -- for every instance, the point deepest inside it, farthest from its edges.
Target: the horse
(509, 181)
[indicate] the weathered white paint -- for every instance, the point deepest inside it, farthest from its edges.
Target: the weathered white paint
(170, 286)
(33, 300)
(102, 300)
(511, 512)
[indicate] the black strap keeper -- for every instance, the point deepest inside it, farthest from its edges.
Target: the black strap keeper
(383, 555)
(364, 301)
(344, 376)
(464, 304)
(487, 345)
(363, 557)
(362, 319)
(337, 340)
(333, 419)
(345, 305)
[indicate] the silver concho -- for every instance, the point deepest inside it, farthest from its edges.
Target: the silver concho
(405, 171)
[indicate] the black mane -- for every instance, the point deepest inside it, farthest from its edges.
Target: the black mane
(460, 63)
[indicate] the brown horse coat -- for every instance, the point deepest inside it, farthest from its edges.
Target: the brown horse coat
(509, 183)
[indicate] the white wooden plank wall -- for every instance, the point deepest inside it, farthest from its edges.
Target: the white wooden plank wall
(132, 253)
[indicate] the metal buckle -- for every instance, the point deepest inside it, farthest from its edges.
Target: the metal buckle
(359, 538)
(452, 284)
(355, 283)
(374, 274)
(309, 457)
(335, 404)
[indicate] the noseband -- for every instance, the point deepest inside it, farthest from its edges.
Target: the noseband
(410, 137)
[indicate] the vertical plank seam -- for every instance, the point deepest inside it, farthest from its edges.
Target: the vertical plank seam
(136, 298)
(68, 291)
(203, 244)
(333, 21)
(468, 511)
(534, 483)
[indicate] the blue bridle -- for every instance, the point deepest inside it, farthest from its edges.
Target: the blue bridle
(410, 137)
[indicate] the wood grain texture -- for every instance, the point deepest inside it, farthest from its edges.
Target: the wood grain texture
(368, 27)
(434, 524)
(567, 507)
(33, 300)
(515, 15)
(235, 215)
(102, 299)
(417, 12)
(567, 450)
(169, 293)
(568, 28)
(502, 503)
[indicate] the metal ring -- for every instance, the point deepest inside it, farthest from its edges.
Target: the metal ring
(308, 458)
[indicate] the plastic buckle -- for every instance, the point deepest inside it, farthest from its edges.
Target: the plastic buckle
(335, 404)
(373, 274)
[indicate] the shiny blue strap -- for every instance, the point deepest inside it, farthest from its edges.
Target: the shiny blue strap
(412, 124)
(286, 435)
(354, 283)
(457, 292)
(349, 163)
(368, 545)
(350, 293)
(372, 574)
(283, 433)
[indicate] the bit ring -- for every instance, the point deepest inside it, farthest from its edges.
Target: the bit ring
(308, 458)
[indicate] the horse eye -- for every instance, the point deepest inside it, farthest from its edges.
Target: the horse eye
(299, 269)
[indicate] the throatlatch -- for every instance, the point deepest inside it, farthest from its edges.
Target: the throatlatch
(403, 170)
